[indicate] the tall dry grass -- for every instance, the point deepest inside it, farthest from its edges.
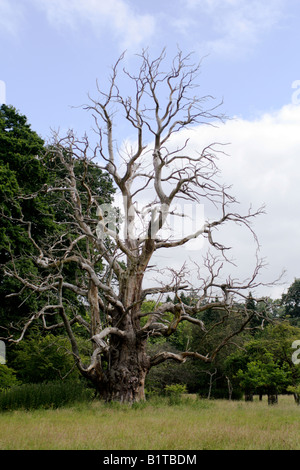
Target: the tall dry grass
(192, 425)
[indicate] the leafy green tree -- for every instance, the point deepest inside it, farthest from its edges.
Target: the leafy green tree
(249, 379)
(270, 351)
(21, 174)
(277, 339)
(291, 301)
(267, 375)
(42, 358)
(35, 216)
(251, 306)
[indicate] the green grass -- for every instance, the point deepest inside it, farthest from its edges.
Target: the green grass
(193, 425)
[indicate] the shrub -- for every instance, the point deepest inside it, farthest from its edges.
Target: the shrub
(44, 395)
(7, 377)
(175, 392)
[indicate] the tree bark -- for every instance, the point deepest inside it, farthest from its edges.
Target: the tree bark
(272, 399)
(248, 396)
(230, 388)
(122, 378)
(297, 398)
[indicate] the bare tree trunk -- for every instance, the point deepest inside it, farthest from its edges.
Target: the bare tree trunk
(211, 374)
(230, 389)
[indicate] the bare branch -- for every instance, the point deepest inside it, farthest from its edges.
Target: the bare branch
(179, 357)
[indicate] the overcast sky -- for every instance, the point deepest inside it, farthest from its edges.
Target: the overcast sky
(52, 52)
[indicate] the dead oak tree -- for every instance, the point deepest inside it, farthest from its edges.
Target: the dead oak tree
(157, 174)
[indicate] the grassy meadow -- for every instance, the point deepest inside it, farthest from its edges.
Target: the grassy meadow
(156, 425)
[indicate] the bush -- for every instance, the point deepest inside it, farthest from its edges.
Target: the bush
(44, 395)
(7, 377)
(175, 392)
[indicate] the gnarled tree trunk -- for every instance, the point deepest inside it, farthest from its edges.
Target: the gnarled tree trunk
(119, 375)
(124, 377)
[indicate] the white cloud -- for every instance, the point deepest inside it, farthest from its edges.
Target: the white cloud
(10, 17)
(113, 17)
(2, 92)
(237, 25)
(263, 167)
